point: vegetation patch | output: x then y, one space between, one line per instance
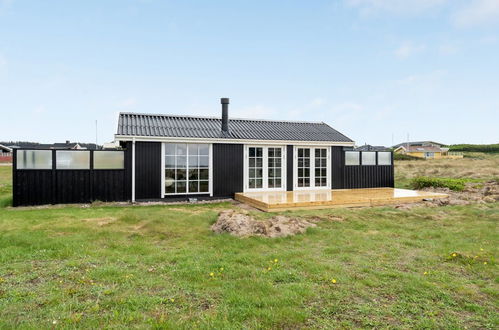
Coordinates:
475 147
405 157
427 182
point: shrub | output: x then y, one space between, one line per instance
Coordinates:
405 157
452 184
475 147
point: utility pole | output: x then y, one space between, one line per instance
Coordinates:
96 141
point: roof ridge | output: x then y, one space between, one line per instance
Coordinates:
218 118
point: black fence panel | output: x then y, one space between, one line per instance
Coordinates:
32 187
60 186
374 176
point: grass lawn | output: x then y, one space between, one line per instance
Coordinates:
161 266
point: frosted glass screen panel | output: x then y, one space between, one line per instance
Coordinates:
368 158
352 158
109 160
34 160
384 158
72 160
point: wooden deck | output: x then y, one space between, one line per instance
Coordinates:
315 199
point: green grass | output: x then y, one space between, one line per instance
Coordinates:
451 183
5 186
494 148
105 266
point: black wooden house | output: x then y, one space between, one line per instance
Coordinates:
172 157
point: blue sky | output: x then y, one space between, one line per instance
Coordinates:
376 70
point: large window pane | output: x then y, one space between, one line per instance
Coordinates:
34 160
303 167
193 186
193 149
170 162
384 158
170 149
187 168
255 169
352 158
109 160
274 167
320 167
368 158
204 149
181 150
181 187
72 160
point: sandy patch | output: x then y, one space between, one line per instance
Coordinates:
244 225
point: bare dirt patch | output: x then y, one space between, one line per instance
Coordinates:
243 225
474 193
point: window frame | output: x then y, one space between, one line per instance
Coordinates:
312 168
163 168
265 168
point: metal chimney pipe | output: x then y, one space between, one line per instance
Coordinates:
225 114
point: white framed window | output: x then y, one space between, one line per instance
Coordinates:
187 168
264 168
312 168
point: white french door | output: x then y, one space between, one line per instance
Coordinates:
264 168
312 168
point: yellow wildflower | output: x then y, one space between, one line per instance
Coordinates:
172 300
275 260
270 268
485 262
481 249
425 273
212 274
333 281
454 255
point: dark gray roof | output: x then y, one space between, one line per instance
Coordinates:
137 124
368 147
419 143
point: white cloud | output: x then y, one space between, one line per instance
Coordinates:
368 7
478 12
408 49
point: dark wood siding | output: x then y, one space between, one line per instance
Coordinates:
228 160
33 187
73 186
38 187
368 176
289 168
337 167
147 170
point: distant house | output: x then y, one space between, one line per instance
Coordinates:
368 147
5 154
57 146
426 150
